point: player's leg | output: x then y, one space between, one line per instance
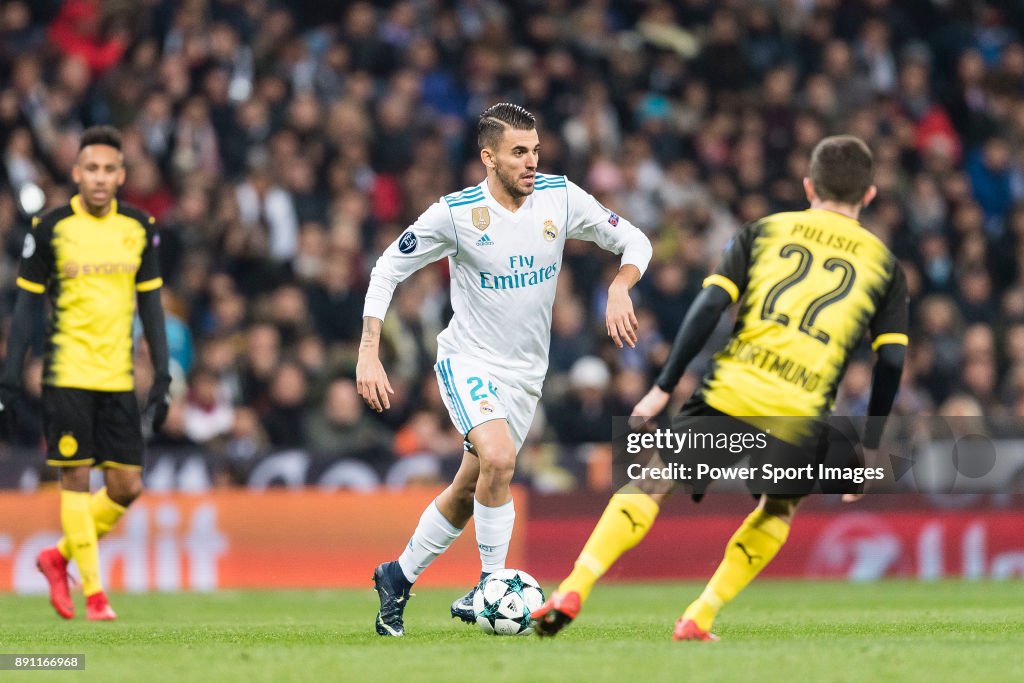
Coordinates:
79 527
501 413
456 501
494 523
628 516
118 449
749 550
67 415
122 487
106 507
75 522
440 524
493 507
105 511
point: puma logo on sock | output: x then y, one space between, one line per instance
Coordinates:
631 521
750 556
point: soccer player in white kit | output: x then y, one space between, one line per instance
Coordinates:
504 240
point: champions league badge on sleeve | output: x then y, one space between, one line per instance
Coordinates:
407 243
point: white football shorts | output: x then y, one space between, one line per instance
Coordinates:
473 395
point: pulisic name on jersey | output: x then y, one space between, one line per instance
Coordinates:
826 239
527 277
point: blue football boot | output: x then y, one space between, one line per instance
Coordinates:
463 607
393 590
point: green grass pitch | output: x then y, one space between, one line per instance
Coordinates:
776 631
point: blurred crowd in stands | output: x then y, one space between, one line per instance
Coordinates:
283 145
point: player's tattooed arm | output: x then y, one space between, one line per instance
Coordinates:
371 380
370 341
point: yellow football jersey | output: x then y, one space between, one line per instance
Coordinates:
91 269
810 284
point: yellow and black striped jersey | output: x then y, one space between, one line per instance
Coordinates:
91 269
810 284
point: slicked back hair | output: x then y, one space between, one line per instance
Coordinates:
101 135
495 119
842 169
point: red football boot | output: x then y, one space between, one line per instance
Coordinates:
55 568
557 613
97 608
687 629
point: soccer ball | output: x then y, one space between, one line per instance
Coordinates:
503 604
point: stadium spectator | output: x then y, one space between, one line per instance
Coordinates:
584 415
208 413
341 428
276 142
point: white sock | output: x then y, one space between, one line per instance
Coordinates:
493 533
432 537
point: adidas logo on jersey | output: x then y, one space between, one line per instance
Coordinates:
485 241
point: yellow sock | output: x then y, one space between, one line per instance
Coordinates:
624 523
80 530
750 549
105 513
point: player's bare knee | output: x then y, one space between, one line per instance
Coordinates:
656 488
779 507
75 479
124 490
498 465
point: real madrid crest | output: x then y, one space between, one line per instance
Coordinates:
550 230
481 218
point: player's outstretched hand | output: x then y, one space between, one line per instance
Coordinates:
620 319
652 403
372 383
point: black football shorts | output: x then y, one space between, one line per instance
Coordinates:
85 427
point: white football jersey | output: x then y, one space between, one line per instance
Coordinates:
504 266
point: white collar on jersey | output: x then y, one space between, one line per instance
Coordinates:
511 215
